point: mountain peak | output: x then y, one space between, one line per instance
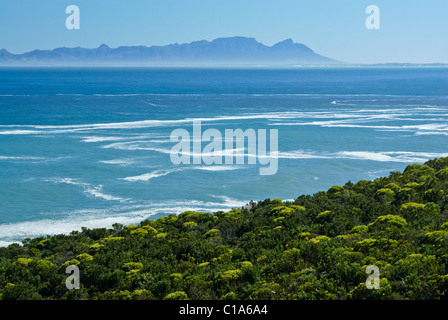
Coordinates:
285 42
236 39
5 53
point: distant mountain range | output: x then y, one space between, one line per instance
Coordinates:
234 51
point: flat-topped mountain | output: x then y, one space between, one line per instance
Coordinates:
221 51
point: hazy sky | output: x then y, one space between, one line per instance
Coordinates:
411 30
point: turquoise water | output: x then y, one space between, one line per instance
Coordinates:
91 147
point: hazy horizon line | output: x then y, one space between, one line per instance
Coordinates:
211 64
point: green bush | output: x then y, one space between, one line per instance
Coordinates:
389 220
385 195
178 295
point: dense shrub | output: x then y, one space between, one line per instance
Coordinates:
316 247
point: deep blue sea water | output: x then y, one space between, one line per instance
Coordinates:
90 147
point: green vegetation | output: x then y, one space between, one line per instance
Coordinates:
317 247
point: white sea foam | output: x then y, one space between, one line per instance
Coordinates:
228 202
52 129
435 133
103 139
117 95
355 115
32 159
153 104
142 145
391 156
120 162
92 190
301 154
218 168
20 132
387 156
151 175
22 158
418 129
7 243
64 226
366 155
96 191
395 156
104 218
164 172
130 145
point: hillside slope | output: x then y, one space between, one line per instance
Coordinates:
317 247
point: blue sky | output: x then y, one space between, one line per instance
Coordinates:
411 30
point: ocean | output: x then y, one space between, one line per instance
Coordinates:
90 147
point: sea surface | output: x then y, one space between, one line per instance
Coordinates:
91 147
